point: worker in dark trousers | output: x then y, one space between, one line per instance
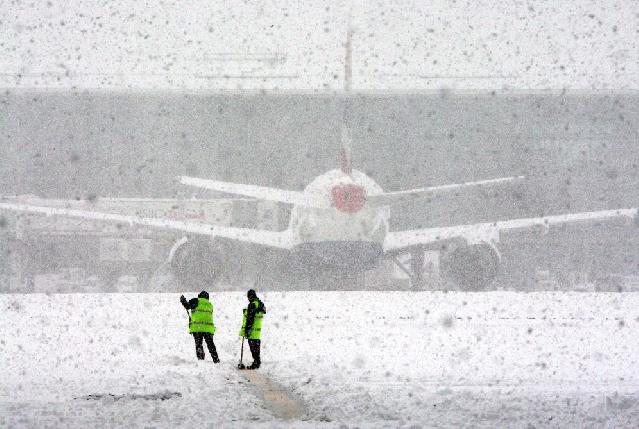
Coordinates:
201 324
252 326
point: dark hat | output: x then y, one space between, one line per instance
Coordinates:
204 294
251 294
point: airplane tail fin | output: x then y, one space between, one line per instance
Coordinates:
345 153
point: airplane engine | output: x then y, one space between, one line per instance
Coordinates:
471 267
198 263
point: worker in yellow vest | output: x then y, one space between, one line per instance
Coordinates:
201 324
252 326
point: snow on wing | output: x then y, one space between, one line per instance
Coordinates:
391 198
401 239
266 238
259 192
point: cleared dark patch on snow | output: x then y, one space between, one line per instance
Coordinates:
620 402
447 321
276 397
177 360
14 306
134 342
160 396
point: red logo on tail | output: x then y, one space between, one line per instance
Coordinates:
348 198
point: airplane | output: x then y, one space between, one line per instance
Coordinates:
340 222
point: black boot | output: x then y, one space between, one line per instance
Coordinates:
255 352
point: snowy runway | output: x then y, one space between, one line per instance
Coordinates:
374 359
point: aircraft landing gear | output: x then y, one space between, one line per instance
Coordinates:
415 268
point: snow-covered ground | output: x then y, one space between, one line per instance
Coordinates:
366 359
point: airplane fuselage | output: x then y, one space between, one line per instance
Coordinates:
347 232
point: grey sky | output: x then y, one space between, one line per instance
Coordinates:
286 45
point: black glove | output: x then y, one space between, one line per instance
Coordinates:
247 332
182 300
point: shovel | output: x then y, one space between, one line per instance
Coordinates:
241 365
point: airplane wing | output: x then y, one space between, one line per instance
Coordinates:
266 238
259 192
390 198
319 201
402 239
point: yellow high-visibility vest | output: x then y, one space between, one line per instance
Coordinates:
202 317
256 329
